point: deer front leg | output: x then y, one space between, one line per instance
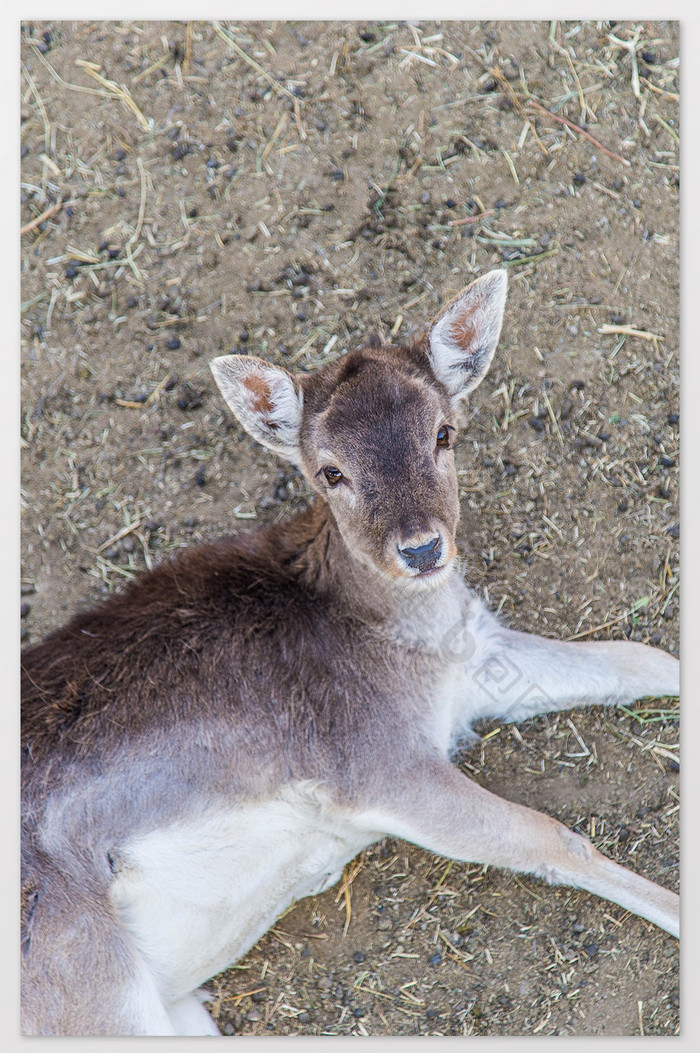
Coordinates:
512 675
442 810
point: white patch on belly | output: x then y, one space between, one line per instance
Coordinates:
196 895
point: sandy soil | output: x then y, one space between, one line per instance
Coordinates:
287 189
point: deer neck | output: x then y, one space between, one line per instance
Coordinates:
396 609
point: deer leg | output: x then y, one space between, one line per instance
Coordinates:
442 810
512 675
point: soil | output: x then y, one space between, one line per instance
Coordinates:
286 189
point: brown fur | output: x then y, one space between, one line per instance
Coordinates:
263 402
191 644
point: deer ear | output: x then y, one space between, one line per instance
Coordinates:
266 399
463 338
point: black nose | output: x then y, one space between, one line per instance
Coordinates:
423 556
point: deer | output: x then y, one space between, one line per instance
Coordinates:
219 739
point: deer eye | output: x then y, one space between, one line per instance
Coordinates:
333 475
443 436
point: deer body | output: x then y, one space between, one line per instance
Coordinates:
221 738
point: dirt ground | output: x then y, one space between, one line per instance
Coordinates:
286 189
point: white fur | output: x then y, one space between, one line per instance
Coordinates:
240 379
198 894
189 1017
287 414
462 366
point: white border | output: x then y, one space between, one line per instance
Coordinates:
360 10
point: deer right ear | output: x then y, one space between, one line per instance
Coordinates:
266 399
464 337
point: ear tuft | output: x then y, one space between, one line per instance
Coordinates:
464 337
266 399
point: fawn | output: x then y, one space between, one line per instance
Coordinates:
220 738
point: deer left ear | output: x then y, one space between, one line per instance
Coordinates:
464 337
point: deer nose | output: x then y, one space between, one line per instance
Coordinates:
422 557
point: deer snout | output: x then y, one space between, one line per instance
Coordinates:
422 555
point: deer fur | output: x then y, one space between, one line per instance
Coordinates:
221 737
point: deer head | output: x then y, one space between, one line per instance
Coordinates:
373 430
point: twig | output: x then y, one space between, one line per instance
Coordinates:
40 104
251 62
552 415
157 390
30 303
151 69
297 118
411 53
115 91
237 999
122 533
630 46
513 171
604 625
66 84
674 135
668 597
582 131
495 72
344 891
38 220
47 131
188 49
659 91
522 260
142 207
275 135
628 330
471 219
585 108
